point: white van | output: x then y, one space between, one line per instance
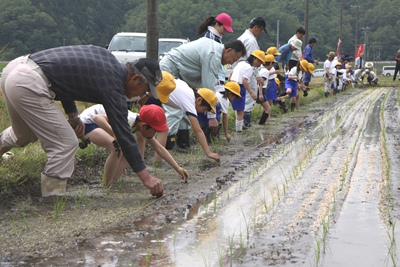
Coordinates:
388 70
128 46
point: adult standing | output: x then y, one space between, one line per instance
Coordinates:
397 59
249 38
329 77
197 63
84 73
296 56
308 55
359 62
215 28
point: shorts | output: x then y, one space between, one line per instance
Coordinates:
292 85
272 91
264 92
239 103
90 127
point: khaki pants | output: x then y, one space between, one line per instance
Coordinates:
34 115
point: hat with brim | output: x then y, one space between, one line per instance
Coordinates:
304 64
209 96
233 87
331 54
150 72
273 51
154 116
369 64
311 68
269 58
259 54
165 87
226 21
296 44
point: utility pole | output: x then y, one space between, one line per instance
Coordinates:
341 20
365 30
356 35
152 29
306 15
277 34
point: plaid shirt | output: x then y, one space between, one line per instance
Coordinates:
92 74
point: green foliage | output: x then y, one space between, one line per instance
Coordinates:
32 25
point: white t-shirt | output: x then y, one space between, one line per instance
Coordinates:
242 70
87 115
328 65
272 76
183 98
264 73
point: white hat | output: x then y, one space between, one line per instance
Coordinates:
369 64
296 43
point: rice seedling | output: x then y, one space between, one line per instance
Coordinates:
14 227
58 207
25 221
82 198
247 226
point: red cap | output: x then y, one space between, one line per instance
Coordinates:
154 116
225 20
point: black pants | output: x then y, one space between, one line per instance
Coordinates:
396 70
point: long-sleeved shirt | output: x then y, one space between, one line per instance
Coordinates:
92 74
308 54
197 62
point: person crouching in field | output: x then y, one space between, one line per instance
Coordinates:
230 93
190 102
150 120
291 83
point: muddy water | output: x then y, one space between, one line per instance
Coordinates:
315 197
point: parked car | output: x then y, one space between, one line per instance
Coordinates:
166 44
388 70
319 73
128 46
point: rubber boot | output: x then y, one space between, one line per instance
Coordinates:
171 142
305 93
263 118
327 94
183 139
282 105
247 119
292 107
51 186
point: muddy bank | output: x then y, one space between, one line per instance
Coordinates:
265 204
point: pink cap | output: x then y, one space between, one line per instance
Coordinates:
225 20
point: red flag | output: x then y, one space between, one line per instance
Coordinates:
360 50
339 44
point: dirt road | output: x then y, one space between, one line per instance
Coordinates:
320 187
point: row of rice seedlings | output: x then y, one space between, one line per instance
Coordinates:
392 248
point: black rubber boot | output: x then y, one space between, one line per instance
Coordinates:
263 119
305 93
183 139
247 120
171 142
282 105
327 94
292 107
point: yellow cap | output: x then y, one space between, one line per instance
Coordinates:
304 64
311 68
234 87
165 87
278 82
269 58
209 96
259 54
273 51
